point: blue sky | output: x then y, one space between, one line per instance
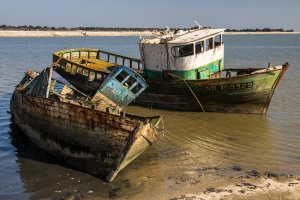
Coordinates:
153 13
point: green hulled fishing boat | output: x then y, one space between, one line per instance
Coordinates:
184 70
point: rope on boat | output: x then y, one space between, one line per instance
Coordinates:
189 89
162 129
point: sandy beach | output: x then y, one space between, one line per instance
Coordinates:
261 33
106 33
70 33
208 184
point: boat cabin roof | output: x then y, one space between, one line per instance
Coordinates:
183 37
196 35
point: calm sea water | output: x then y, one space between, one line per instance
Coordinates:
192 140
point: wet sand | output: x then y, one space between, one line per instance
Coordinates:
248 186
203 184
106 33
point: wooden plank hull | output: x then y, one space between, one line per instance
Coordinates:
241 94
80 82
96 142
248 92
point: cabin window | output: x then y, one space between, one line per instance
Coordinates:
92 54
218 40
74 67
208 44
136 88
75 55
66 55
79 70
69 66
84 54
91 76
129 82
99 76
199 47
85 72
181 51
121 76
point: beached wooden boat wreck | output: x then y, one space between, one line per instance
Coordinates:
184 70
92 134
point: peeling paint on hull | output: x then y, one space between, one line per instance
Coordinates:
249 92
216 95
96 142
241 94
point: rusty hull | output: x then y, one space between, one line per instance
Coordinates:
216 95
96 142
249 91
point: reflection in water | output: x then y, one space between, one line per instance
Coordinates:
10 184
195 140
192 141
45 177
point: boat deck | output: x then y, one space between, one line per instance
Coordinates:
96 64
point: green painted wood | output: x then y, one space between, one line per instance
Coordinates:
241 94
202 72
244 93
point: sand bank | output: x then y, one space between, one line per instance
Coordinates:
105 33
70 33
201 184
261 33
213 186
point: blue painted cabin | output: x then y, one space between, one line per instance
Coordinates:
123 85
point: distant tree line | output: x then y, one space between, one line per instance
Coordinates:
46 28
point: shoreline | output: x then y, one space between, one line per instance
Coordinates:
261 33
211 185
71 33
112 33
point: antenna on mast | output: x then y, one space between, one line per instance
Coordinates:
168 31
198 24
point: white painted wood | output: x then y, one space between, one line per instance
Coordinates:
156 50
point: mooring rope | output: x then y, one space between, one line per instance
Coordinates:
189 89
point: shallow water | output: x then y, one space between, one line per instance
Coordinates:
192 140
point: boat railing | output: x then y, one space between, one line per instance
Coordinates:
132 63
231 72
68 58
74 67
